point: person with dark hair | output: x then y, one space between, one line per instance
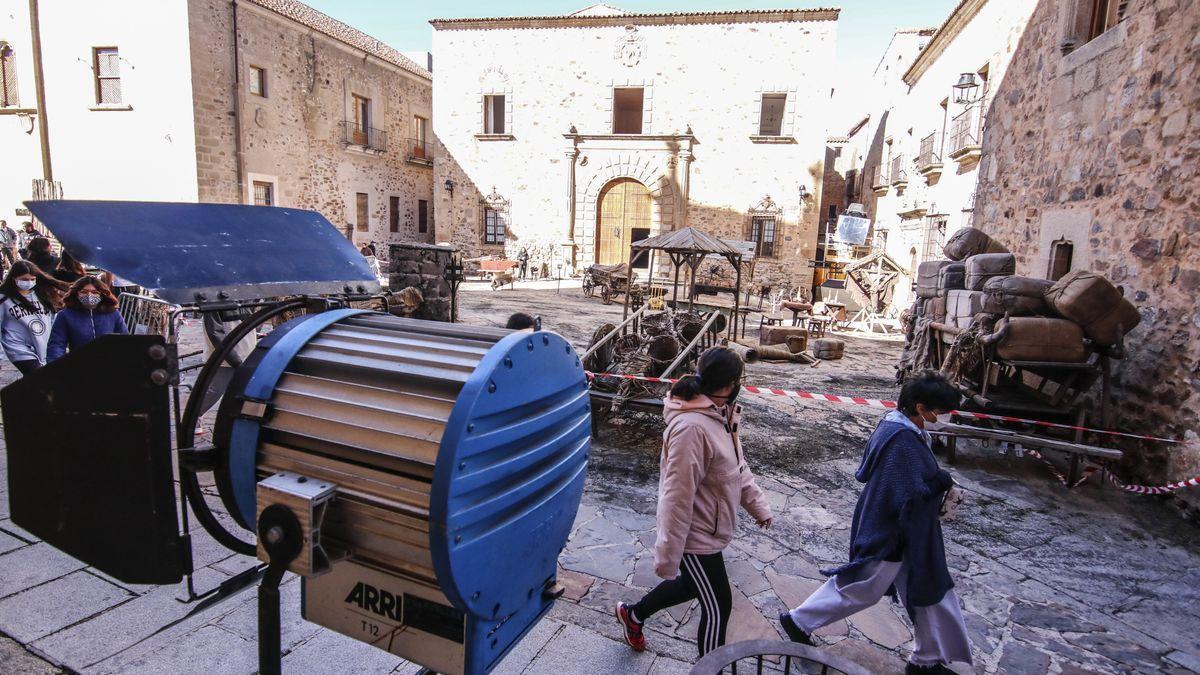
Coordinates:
41 255
521 321
896 545
703 479
28 300
69 269
523 260
89 311
27 234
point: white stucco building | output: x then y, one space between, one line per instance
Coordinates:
151 100
923 158
572 136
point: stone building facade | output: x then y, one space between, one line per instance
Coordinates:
640 124
320 116
143 104
1091 161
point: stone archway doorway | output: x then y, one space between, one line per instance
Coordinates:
623 217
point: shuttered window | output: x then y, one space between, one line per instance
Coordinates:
106 63
422 216
771 117
9 96
493 114
393 214
362 212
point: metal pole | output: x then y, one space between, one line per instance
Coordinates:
282 537
628 281
737 296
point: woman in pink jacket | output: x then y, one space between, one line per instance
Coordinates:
703 479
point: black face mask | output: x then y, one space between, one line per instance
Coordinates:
737 389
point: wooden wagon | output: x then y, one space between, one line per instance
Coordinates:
1060 393
610 281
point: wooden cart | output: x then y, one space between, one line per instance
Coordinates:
612 280
1059 393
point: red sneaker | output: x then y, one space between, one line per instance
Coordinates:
633 630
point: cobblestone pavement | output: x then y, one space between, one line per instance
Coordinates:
1090 580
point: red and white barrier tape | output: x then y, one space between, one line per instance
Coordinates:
1155 490
878 403
1056 425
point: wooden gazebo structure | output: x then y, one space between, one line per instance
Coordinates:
688 247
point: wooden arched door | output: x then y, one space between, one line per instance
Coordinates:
623 217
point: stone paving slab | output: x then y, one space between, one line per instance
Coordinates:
577 650
32 565
111 632
42 610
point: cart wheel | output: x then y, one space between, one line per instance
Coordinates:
606 295
588 288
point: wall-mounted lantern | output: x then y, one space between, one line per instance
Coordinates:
449 185
964 91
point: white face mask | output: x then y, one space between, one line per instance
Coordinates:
945 418
26 284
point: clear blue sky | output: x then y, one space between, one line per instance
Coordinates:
863 30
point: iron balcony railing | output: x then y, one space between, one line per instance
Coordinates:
369 138
965 131
931 152
420 150
899 175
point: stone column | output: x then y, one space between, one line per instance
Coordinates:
568 245
685 158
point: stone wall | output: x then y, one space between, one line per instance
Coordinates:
1099 148
702 79
422 266
294 137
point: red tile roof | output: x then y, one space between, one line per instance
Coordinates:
323 23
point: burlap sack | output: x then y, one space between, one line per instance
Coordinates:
971 241
1040 338
986 266
927 277
1094 303
1015 296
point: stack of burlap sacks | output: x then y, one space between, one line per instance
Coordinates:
1035 319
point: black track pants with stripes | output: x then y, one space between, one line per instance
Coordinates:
703 578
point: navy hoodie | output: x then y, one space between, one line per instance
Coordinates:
897 513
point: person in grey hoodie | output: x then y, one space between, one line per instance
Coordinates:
703 479
28 300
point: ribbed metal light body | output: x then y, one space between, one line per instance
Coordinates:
364 405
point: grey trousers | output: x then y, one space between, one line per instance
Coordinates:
940 636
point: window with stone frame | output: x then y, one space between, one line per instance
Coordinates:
770 122
9 95
764 227
257 81
106 65
494 109
362 212
264 193
627 110
1061 254
493 226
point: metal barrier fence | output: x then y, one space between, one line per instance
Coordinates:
147 315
